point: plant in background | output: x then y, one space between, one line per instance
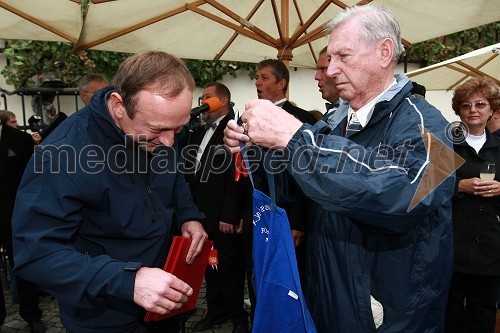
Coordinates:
205 71
443 48
31 62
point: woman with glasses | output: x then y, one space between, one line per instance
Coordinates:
476 209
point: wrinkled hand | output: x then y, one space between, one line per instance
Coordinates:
226 228
264 124
158 291
268 125
298 237
194 230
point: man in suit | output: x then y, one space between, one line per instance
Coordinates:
272 83
221 199
16 148
326 85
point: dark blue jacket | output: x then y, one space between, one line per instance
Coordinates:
91 205
365 237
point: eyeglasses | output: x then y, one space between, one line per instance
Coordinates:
477 106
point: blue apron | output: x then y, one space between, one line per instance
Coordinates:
280 303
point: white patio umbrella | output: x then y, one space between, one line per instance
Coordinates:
50 20
448 74
252 30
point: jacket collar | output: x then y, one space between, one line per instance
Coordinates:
389 101
99 109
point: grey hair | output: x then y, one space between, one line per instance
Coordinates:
84 81
376 23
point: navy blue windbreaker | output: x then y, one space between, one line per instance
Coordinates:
90 205
363 238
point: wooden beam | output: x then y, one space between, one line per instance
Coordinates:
135 26
38 22
254 32
310 21
235 34
313 35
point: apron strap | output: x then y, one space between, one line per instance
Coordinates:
270 176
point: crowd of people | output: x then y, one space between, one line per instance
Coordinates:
394 220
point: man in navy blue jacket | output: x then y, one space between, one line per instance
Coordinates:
100 197
379 253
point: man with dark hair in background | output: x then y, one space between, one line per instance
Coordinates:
221 198
326 85
272 81
494 125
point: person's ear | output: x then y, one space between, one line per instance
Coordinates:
224 101
386 52
282 84
116 106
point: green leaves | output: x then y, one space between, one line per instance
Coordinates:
30 62
205 71
447 47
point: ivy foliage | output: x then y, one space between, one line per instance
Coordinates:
443 48
205 71
30 62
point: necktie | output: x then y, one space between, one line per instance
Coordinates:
212 126
354 125
330 106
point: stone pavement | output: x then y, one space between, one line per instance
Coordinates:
15 324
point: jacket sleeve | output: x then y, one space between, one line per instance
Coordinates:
47 216
373 186
234 198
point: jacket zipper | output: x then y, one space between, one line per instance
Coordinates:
156 208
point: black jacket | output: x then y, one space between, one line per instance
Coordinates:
476 220
16 148
300 114
213 186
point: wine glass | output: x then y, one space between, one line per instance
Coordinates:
487 171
